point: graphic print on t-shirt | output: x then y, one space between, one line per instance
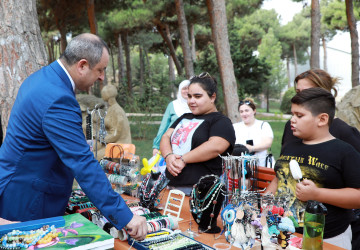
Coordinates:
311 169
182 136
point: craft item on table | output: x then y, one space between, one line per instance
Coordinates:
295 170
283 239
206 199
168 241
166 222
286 225
277 210
79 202
132 204
149 164
174 203
123 175
103 223
25 239
242 231
238 174
139 210
117 179
150 189
123 235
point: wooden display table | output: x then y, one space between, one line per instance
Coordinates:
208 239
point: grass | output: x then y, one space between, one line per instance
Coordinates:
143 135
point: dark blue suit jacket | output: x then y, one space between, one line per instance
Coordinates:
45 149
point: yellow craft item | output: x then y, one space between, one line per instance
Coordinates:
148 165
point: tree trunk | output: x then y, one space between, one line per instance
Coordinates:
147 66
315 35
128 64
22 50
165 34
288 71
142 70
171 69
217 12
193 44
354 43
325 52
91 16
63 42
121 63
188 63
112 63
295 60
50 49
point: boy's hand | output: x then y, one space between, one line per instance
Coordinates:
306 190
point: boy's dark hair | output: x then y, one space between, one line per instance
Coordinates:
317 101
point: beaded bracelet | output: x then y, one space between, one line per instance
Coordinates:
168 155
181 158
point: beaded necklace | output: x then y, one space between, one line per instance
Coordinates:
25 239
147 198
197 204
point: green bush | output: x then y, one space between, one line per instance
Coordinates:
285 106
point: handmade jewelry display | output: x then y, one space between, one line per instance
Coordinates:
252 216
97 132
150 189
239 175
206 199
25 239
165 239
124 175
79 202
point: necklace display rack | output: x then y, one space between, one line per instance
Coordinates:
237 171
97 132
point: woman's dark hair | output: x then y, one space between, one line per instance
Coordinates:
206 81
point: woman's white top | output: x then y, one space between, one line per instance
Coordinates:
256 132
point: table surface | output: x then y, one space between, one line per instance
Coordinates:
184 225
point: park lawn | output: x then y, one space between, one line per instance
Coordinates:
143 135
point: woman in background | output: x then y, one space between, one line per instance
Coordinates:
174 110
256 135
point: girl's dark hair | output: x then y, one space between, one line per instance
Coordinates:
206 81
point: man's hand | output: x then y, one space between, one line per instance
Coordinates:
306 190
137 227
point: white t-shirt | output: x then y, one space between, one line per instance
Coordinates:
255 132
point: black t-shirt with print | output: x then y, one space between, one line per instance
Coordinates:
190 131
333 164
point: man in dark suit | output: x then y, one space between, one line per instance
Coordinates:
45 148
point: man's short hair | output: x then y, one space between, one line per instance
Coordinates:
84 46
317 101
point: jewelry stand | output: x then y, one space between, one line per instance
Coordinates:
174 201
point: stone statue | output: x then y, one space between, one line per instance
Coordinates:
348 109
116 123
